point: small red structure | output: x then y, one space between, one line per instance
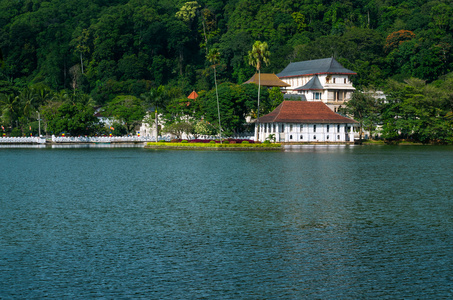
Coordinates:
193 95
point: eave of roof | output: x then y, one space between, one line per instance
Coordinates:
267 79
314 67
312 84
304 112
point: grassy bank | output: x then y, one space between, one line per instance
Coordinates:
214 146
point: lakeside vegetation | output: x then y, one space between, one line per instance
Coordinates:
213 145
67 60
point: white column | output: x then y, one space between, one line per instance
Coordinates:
352 133
256 132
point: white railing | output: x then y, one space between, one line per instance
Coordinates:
102 139
22 140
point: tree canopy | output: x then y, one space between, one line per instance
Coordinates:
107 49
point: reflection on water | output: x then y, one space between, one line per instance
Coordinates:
320 222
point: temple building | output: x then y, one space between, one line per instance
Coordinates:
324 80
304 121
268 80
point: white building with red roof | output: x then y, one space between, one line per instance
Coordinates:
304 121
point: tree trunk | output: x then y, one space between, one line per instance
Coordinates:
258 112
157 125
81 62
218 105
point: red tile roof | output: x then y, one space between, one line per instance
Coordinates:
193 95
304 112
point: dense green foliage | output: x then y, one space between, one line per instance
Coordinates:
93 44
107 49
412 110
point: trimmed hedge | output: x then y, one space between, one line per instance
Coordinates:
215 145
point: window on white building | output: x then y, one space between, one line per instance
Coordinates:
301 137
314 128
291 137
328 127
314 137
291 127
301 127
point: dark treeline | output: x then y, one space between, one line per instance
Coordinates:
107 49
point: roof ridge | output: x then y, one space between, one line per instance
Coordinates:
279 109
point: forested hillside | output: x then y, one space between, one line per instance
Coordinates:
90 44
120 47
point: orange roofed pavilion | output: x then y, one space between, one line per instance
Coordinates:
193 95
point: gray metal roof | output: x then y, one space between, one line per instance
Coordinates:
313 67
295 97
312 84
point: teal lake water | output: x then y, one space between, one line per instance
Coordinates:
313 222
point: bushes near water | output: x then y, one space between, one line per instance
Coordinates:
213 144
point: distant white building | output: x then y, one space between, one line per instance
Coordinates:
305 121
322 80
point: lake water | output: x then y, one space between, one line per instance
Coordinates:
313 222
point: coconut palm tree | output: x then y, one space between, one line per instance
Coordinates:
213 57
28 101
9 108
155 97
260 53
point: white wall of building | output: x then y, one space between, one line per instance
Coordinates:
297 132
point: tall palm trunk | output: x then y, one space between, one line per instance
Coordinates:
157 125
218 105
258 113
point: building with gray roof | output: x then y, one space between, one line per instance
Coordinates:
323 80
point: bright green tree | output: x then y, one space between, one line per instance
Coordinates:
362 107
213 57
128 110
260 54
154 98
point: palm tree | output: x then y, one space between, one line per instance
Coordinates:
155 97
28 102
260 53
9 108
213 56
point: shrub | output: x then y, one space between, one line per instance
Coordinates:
162 141
212 142
245 142
266 142
184 141
226 142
